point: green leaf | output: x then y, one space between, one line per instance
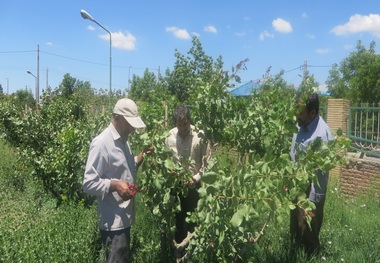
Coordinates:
169 164
221 237
202 192
237 218
166 197
156 210
209 177
211 189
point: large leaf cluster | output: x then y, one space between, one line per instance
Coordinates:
52 142
238 199
162 181
356 77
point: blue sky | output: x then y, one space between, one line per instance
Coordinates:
145 34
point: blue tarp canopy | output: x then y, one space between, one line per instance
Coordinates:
245 89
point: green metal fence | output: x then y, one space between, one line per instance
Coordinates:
364 129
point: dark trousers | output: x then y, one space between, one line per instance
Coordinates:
300 231
116 245
188 204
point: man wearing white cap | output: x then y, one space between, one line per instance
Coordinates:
110 175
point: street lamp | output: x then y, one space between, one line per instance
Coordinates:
86 15
36 95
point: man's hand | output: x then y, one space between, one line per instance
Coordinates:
148 150
140 157
124 189
191 183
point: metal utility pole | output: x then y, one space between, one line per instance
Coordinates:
38 76
47 80
305 67
7 85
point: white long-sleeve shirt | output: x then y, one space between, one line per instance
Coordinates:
190 148
110 158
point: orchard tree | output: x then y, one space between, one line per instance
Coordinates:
152 96
52 142
147 88
308 82
71 85
67 86
336 84
238 198
73 89
277 80
23 99
357 76
187 69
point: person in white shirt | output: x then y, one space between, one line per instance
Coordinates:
110 175
191 149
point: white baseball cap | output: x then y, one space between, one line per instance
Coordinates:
128 109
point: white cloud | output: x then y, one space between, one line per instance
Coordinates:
281 25
210 28
304 15
121 41
247 18
49 43
322 50
310 36
358 24
178 32
91 28
265 34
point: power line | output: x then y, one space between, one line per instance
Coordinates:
79 60
299 68
70 58
23 51
311 66
91 62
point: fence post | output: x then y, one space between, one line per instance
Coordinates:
338 113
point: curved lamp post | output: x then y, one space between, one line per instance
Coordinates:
36 95
86 15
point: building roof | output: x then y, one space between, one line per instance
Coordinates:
245 89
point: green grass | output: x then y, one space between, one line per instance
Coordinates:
350 233
33 229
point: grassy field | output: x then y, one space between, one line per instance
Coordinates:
350 233
32 229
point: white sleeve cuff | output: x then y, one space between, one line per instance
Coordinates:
197 177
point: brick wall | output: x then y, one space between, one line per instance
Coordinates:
360 176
